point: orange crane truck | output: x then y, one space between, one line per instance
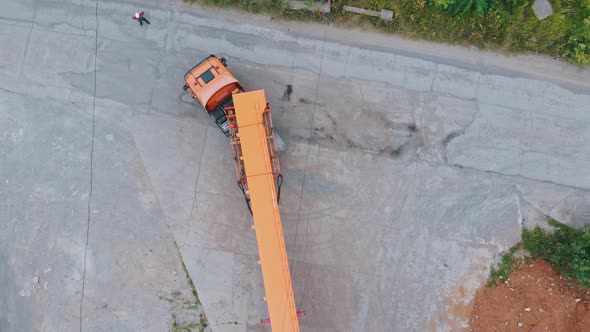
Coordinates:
213 86
245 118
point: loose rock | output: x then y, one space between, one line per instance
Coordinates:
542 9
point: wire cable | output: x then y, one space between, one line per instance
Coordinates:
241 186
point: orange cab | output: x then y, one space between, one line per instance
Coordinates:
213 86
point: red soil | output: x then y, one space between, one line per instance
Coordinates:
535 298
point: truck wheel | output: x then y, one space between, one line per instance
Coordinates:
185 87
223 61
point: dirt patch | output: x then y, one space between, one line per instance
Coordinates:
534 298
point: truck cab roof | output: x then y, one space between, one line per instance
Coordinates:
211 83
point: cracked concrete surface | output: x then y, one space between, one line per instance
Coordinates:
409 166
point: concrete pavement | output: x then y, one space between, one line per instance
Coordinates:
409 166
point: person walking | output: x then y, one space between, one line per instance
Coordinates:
139 17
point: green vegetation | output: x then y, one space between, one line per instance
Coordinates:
189 326
508 263
202 324
508 25
189 280
480 7
276 7
568 249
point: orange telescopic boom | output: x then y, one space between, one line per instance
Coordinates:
258 170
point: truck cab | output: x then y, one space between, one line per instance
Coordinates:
212 85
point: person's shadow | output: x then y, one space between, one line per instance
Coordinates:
287 93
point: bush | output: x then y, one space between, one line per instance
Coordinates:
568 249
577 47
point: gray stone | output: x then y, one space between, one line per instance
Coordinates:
361 11
542 9
386 15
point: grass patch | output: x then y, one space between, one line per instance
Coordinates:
276 7
203 324
189 327
508 25
167 299
567 249
508 263
190 282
